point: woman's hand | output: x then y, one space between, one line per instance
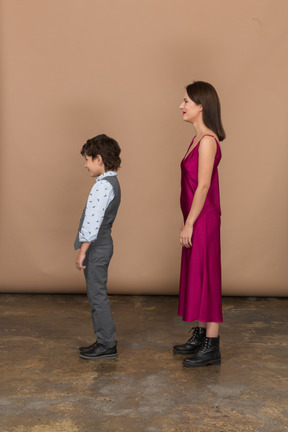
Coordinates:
186 236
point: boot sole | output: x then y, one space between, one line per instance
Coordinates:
82 355
183 352
209 363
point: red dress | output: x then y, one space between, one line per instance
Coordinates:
200 295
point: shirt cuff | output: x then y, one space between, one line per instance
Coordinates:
86 238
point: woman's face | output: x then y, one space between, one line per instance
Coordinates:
191 111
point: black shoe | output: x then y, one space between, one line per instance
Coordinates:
87 348
99 351
207 354
193 343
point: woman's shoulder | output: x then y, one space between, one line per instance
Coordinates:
209 143
209 138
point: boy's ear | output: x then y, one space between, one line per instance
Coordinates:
99 159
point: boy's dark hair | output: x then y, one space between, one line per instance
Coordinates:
107 148
203 93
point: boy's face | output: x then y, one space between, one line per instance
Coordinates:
95 166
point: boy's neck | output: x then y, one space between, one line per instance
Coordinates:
104 172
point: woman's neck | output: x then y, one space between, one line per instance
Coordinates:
201 130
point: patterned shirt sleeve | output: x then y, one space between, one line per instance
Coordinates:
101 194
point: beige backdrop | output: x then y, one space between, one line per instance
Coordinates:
72 69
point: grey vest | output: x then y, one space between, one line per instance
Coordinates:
109 216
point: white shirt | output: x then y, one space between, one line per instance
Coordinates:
100 196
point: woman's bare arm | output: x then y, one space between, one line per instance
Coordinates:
207 151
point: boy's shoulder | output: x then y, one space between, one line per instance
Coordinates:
112 179
102 184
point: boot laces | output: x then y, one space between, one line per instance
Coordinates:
204 346
195 333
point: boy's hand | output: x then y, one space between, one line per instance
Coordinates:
81 256
79 261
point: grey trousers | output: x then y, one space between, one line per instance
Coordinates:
97 261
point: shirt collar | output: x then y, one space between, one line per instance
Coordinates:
106 174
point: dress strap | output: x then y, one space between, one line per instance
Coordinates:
210 136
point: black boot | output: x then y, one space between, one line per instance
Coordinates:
207 354
193 343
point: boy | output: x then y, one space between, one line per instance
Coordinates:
94 240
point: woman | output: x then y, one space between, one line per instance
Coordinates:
200 281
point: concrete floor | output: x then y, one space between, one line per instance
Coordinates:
45 386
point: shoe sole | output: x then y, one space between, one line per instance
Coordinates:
98 357
183 352
210 363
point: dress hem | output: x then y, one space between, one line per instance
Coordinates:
201 320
